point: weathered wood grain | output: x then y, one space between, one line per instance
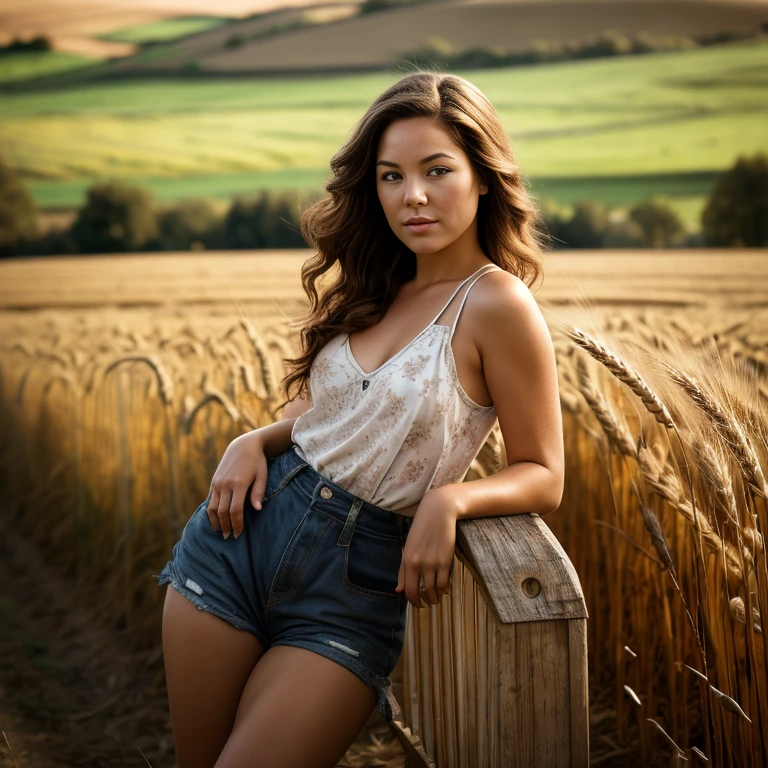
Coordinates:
503 552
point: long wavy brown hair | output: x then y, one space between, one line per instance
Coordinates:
348 227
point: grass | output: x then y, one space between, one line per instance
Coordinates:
23 66
617 129
166 29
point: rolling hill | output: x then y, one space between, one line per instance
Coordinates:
78 25
379 40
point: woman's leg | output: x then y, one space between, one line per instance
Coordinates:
298 710
207 664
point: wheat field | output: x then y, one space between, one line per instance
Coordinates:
123 379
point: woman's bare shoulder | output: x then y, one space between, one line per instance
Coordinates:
504 311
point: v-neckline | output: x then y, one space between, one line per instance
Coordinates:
354 362
433 324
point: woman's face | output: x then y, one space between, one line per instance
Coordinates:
421 172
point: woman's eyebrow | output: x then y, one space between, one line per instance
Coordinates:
429 159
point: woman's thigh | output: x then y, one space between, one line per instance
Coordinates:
207 665
299 709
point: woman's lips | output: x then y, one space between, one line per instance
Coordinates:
423 227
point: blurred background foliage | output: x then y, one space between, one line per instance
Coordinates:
118 217
642 125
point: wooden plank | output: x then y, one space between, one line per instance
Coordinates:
534 703
577 653
521 568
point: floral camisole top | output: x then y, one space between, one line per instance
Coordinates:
392 434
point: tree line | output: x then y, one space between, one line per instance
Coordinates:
117 218
439 52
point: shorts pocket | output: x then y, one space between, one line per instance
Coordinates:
276 479
371 564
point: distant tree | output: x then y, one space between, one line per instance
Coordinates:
271 220
624 233
736 213
552 218
586 227
116 218
372 6
18 212
659 221
608 43
191 224
36 44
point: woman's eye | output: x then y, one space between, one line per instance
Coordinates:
395 173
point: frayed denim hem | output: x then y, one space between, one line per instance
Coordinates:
171 575
386 703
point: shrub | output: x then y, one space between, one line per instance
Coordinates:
551 222
191 224
270 220
736 213
586 227
116 218
18 212
36 44
660 224
622 233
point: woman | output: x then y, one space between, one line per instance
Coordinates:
345 510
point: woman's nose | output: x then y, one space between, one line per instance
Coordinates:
414 193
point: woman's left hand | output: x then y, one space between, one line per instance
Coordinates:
429 549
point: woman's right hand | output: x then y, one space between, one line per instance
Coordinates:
243 463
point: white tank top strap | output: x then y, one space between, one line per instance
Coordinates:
482 271
475 274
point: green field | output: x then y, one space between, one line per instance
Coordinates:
614 129
166 29
24 66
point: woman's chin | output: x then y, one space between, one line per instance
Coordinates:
423 246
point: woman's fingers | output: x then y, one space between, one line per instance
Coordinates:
443 581
223 512
236 509
412 576
211 509
260 483
429 592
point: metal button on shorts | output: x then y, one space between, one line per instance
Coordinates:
316 567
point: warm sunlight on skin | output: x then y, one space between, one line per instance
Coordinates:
444 188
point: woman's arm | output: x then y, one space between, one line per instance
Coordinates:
275 438
244 465
520 372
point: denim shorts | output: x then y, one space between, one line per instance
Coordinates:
316 567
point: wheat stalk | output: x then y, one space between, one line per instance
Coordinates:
164 382
666 485
262 355
624 373
729 430
715 472
616 434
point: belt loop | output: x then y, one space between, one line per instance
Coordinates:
346 534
